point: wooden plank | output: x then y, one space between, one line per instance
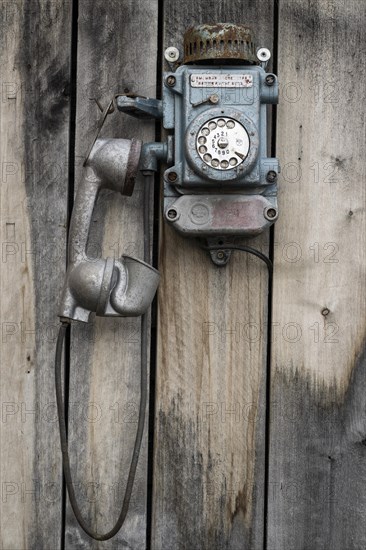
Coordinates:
116 54
211 369
35 78
317 496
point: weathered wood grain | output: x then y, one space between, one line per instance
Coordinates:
208 483
35 78
116 54
317 496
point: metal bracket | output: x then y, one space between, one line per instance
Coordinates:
153 152
140 107
220 257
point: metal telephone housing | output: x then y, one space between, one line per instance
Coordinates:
220 183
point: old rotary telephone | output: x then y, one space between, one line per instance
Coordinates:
219 185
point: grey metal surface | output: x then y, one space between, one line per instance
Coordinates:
218 215
108 287
203 171
140 107
186 112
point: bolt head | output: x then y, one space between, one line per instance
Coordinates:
270 213
271 176
270 79
223 142
220 254
171 80
172 176
172 214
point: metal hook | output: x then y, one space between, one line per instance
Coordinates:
100 125
107 111
111 109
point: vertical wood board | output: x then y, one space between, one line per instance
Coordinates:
34 118
209 452
116 54
317 497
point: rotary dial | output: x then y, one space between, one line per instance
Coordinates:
222 143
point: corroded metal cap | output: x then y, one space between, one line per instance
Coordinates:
224 41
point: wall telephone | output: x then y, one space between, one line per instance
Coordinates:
219 184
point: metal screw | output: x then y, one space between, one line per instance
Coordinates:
220 254
214 99
172 176
270 79
271 176
172 214
271 213
171 80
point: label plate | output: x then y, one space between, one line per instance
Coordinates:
228 80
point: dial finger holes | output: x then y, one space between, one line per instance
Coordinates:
221 143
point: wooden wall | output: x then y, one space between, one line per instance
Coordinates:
256 428
35 120
317 453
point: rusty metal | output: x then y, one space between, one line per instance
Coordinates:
101 122
222 41
132 163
